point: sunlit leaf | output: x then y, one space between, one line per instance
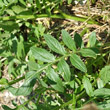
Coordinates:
69 42
92 39
9 25
42 54
78 63
87 86
102 92
64 69
88 53
54 44
27 86
58 87
105 74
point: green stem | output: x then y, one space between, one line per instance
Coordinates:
12 82
58 16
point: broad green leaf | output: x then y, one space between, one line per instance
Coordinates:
52 75
64 69
54 44
78 63
69 1
3 81
17 9
23 2
105 74
102 92
68 40
9 25
58 87
105 105
92 39
42 54
26 88
33 65
87 86
10 12
78 40
43 83
86 52
1 3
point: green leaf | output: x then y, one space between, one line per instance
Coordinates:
3 81
9 26
54 44
22 2
69 1
78 63
105 105
68 40
105 74
58 87
38 4
78 40
52 75
17 9
102 92
64 69
92 39
30 1
33 65
87 86
42 54
27 86
86 52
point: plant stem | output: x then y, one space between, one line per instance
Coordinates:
57 16
12 82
